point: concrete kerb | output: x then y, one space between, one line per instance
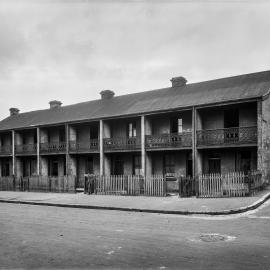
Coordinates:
253 206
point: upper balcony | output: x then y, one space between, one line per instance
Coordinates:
122 144
26 149
5 150
227 137
89 146
53 148
167 141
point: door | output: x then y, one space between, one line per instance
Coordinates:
245 161
214 165
231 125
118 166
189 171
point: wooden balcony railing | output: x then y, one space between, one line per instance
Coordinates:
169 140
57 147
5 150
227 136
124 143
26 149
84 146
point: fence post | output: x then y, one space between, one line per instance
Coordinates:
14 182
95 184
50 184
21 184
196 179
165 185
28 184
249 183
180 186
84 187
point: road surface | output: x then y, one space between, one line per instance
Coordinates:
50 237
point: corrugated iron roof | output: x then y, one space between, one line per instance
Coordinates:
246 86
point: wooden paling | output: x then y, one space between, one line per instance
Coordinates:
231 184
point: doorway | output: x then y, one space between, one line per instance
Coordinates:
118 166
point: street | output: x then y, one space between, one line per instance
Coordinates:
52 237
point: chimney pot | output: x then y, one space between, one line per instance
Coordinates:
178 81
14 111
107 94
55 104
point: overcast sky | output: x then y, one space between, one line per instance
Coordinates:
71 50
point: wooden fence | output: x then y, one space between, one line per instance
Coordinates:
125 185
155 185
187 186
38 183
233 184
7 183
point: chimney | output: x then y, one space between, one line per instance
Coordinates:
55 104
178 81
14 111
107 94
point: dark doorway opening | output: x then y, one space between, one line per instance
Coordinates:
118 166
214 163
231 118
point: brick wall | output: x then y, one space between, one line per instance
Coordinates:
264 144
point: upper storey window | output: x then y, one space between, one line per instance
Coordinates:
177 125
180 125
132 131
231 118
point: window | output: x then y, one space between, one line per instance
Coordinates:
132 132
24 136
177 125
62 135
169 164
5 171
35 137
94 133
137 165
89 165
180 125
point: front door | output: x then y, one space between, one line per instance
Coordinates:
189 171
118 166
214 165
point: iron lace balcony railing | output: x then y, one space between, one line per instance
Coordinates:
227 136
124 143
26 149
5 149
84 146
173 140
56 147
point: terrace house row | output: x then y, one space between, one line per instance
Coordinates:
186 129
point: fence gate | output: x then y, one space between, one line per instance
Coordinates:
187 187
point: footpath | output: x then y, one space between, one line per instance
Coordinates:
162 205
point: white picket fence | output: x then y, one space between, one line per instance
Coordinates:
153 185
117 185
232 184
